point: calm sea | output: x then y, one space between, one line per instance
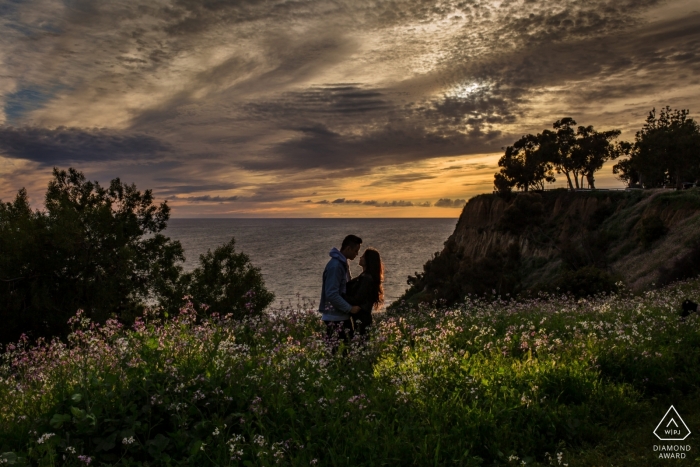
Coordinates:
291 253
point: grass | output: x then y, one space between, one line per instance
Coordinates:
548 381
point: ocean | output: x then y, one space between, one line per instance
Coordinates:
291 253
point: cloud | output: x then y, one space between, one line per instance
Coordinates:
395 204
284 95
450 203
62 145
206 199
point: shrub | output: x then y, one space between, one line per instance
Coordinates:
93 248
652 228
225 282
101 250
526 210
587 281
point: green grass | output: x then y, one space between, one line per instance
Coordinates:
483 383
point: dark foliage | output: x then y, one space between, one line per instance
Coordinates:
586 281
666 151
94 248
526 210
101 250
684 267
449 276
225 282
652 228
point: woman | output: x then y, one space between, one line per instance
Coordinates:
366 290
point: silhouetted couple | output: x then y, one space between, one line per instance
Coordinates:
346 303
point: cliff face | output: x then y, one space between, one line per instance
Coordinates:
531 240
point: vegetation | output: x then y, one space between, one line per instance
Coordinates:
482 383
102 250
666 151
559 241
532 160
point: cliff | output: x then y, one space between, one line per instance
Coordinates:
586 241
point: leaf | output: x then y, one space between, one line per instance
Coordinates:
106 444
59 419
76 398
159 442
196 446
77 413
152 343
9 458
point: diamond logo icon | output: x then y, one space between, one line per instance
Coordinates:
672 427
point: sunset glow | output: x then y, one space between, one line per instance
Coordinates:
283 109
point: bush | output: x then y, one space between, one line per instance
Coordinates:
93 248
685 267
587 281
526 210
101 250
652 228
225 282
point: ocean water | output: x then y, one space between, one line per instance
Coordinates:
291 253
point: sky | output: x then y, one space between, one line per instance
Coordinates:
344 108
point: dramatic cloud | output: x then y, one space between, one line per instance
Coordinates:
450 203
277 105
67 145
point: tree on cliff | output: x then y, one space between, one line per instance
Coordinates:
525 164
97 249
591 150
666 151
578 154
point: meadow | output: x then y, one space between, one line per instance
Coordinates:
553 380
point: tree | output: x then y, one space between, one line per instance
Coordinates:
225 282
561 147
101 250
666 151
592 149
94 248
525 164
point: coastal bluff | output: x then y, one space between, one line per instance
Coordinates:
537 241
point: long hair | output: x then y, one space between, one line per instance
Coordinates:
375 268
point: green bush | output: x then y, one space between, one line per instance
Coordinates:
225 282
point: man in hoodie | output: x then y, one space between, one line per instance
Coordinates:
335 310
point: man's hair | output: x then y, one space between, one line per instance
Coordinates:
351 240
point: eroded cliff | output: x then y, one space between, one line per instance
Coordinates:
538 241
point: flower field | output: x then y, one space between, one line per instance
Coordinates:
485 383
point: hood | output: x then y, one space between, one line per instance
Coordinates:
335 253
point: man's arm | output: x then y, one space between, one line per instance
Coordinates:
332 292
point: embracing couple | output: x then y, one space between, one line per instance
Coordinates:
346 303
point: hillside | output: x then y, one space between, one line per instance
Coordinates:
587 241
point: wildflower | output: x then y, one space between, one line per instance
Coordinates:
45 437
70 449
313 461
128 441
215 432
85 459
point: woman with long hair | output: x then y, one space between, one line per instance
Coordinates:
366 290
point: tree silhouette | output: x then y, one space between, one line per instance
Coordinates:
525 164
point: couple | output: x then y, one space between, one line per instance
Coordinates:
346 303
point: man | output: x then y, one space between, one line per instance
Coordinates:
335 310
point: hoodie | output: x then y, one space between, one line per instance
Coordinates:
335 278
